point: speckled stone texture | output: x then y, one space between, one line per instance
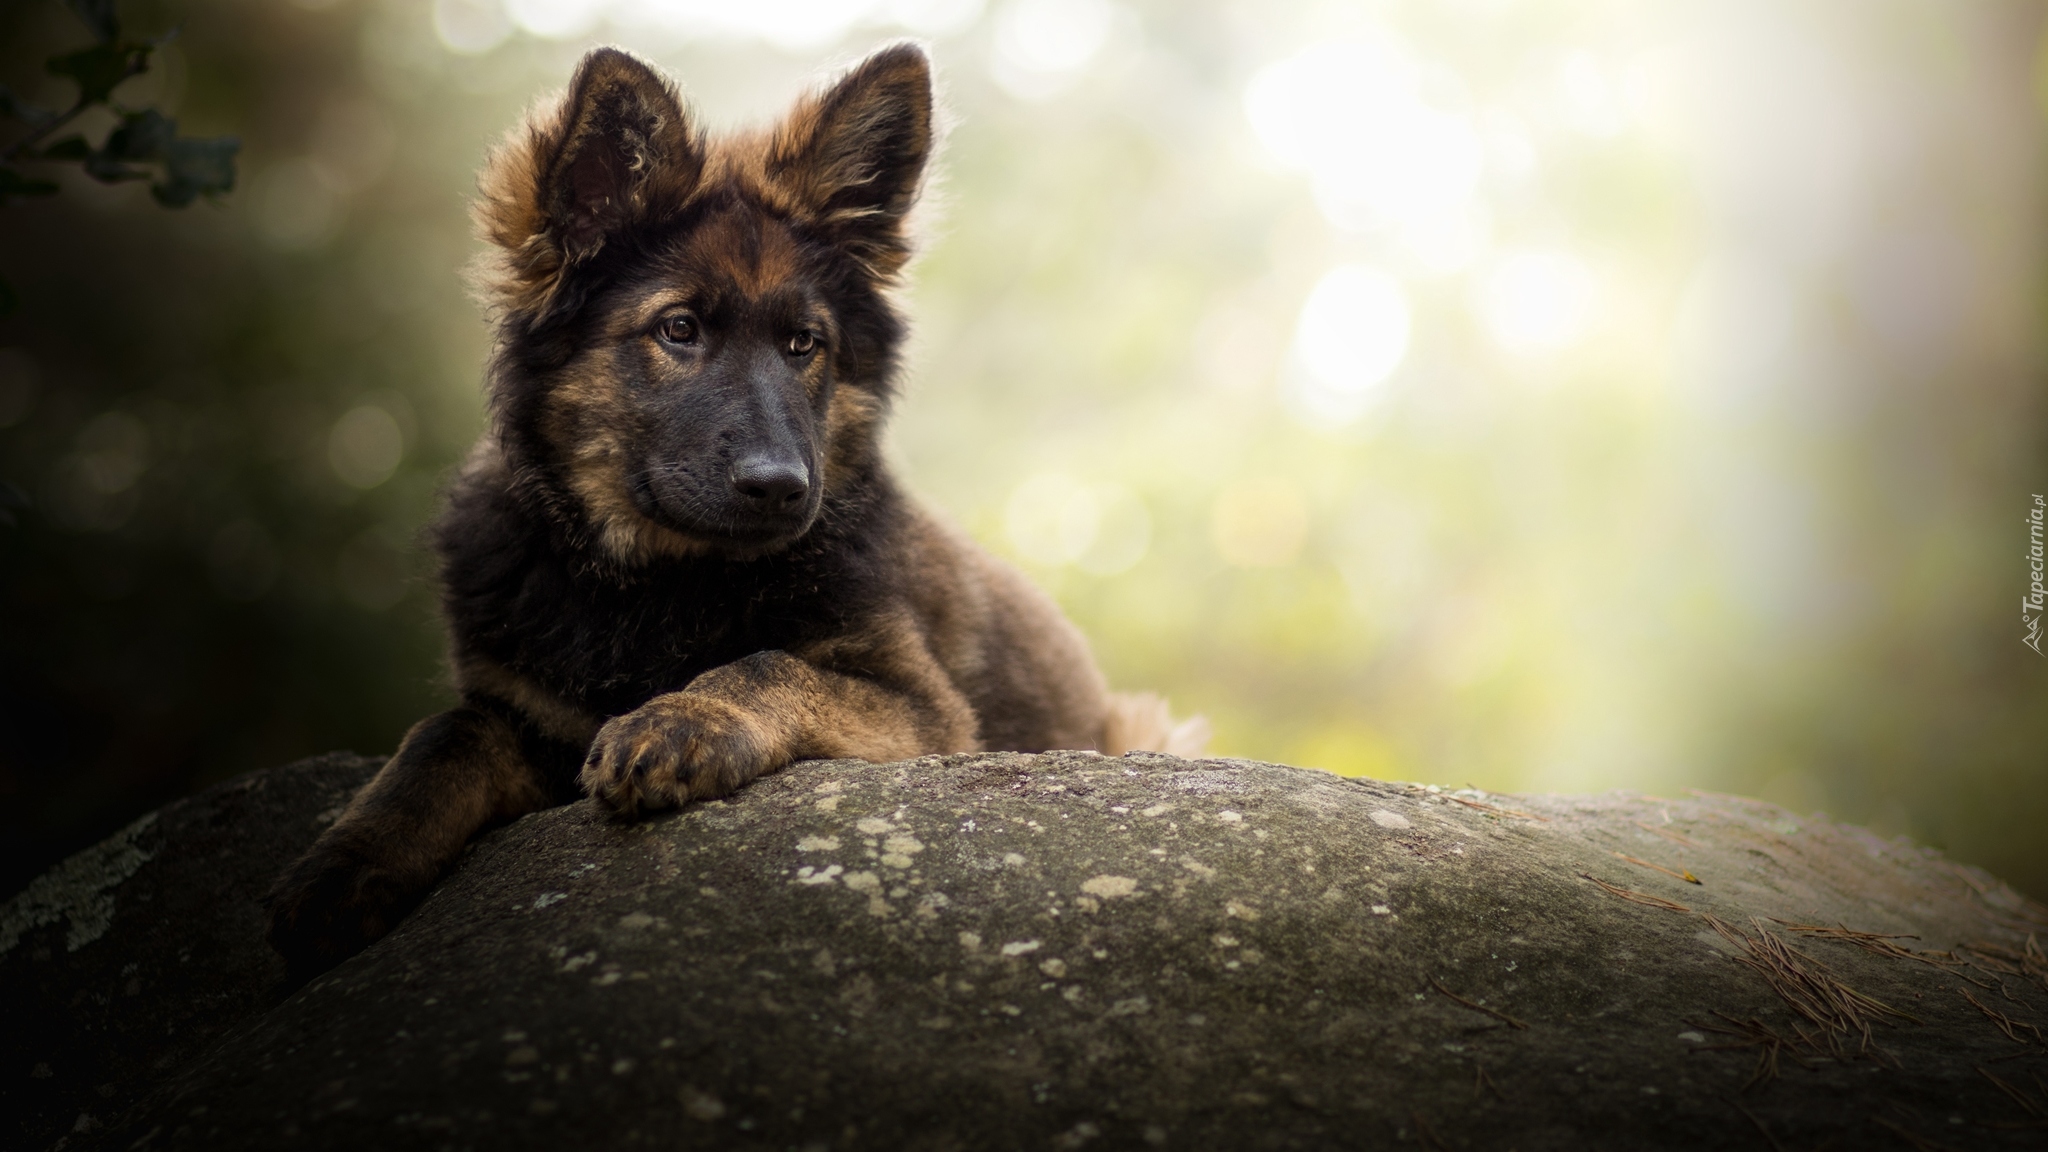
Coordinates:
130 960
1047 952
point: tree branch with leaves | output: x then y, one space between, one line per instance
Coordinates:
144 145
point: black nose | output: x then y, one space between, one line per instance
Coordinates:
771 485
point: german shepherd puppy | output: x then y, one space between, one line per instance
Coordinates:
676 560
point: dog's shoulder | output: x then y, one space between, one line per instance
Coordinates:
498 552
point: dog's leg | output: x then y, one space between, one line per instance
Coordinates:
865 699
453 774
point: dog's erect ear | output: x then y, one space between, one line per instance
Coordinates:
618 150
625 150
853 155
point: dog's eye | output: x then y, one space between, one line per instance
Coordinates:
677 329
802 343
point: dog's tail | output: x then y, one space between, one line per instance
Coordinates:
1142 721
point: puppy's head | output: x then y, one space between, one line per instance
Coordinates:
695 335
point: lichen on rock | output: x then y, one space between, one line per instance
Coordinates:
1068 950
76 891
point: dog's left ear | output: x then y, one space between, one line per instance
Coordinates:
853 156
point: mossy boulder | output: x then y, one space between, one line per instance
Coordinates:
1042 952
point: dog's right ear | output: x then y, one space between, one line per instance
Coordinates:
625 152
617 151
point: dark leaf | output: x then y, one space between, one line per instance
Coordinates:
197 167
12 498
22 110
108 170
144 135
98 15
100 69
14 185
69 148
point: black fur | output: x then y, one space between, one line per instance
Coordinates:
520 591
677 561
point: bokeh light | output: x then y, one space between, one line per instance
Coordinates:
1351 113
1352 334
1037 41
1536 302
365 446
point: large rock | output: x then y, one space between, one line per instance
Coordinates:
1043 952
128 961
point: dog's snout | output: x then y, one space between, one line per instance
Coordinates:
769 484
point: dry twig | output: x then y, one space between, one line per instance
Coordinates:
1503 1017
1482 1083
1962 962
1750 1033
2028 962
1666 833
1636 897
1688 877
2018 1096
1497 810
2006 1024
1772 1140
1810 990
1878 942
1992 958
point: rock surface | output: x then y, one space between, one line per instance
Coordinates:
1041 952
130 960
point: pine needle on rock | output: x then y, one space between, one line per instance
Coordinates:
1636 897
1503 1017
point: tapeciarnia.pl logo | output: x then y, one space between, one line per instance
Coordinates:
2037 596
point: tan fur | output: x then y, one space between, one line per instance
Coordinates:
849 432
756 252
530 242
550 713
943 649
775 708
452 774
791 169
1142 721
586 411
975 612
493 781
964 611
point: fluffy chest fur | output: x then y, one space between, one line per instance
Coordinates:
676 561
606 639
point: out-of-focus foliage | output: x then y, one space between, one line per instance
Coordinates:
1530 393
143 144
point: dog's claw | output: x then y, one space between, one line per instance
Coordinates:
671 750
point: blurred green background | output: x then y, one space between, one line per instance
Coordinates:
1533 394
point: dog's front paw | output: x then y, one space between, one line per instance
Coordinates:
331 905
671 750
